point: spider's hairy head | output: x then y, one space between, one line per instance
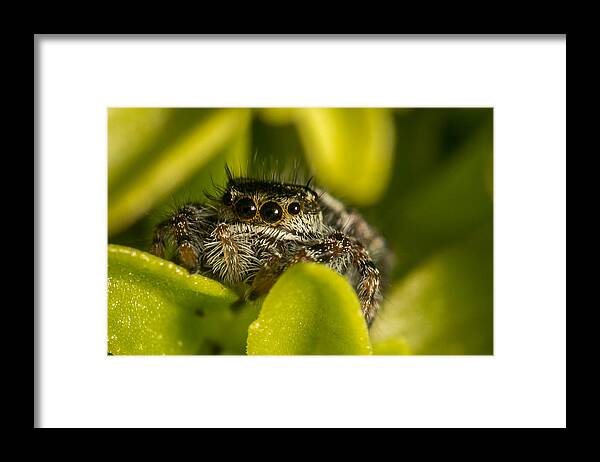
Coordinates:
269 202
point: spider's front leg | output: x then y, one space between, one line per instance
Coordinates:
183 230
340 253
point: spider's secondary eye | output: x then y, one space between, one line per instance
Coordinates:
294 208
245 208
271 212
227 199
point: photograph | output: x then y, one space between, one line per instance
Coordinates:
300 231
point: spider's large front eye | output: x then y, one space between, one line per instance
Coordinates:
245 208
271 212
227 199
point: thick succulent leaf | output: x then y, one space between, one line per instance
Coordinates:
178 157
311 310
349 150
444 306
156 307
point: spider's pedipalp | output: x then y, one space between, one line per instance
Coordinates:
228 254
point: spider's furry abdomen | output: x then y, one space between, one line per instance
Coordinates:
253 229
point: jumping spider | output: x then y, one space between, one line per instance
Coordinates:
249 233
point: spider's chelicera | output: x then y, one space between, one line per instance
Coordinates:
255 229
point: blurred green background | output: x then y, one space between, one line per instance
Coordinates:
423 177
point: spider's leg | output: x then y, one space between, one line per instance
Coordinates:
368 288
350 222
161 236
339 252
183 230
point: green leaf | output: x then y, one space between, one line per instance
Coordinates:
310 310
350 150
156 307
445 306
